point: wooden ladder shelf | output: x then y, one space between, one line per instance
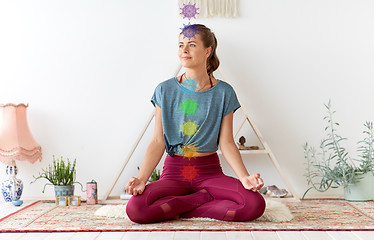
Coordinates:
266 149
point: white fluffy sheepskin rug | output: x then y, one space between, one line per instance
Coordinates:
274 212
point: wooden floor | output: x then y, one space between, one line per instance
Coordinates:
6 208
256 235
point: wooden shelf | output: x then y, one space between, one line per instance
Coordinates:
244 152
266 149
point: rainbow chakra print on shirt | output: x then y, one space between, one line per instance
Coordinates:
189 106
190 84
189 151
189 128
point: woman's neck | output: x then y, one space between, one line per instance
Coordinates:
199 76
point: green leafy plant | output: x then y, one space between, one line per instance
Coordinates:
367 148
59 173
333 167
156 174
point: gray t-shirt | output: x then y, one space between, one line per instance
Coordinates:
192 120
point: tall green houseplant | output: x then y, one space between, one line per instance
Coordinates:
332 167
60 173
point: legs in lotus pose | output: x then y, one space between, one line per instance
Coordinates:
195 187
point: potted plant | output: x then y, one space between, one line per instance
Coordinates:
156 174
333 167
62 175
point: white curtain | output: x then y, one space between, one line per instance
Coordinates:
212 8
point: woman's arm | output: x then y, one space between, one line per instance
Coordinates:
152 157
232 155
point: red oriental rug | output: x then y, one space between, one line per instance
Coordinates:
322 215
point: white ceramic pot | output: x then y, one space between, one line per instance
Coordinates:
362 190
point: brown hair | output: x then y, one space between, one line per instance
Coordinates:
209 40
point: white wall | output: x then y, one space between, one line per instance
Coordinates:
88 70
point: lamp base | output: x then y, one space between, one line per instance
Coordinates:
17 203
12 187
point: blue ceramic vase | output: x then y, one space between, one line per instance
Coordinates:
12 187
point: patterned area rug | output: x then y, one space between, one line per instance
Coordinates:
308 215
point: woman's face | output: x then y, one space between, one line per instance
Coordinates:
191 52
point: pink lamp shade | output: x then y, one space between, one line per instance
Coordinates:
16 141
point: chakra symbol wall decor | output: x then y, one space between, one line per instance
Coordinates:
189 128
189 31
189 11
189 107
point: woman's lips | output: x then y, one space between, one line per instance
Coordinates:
186 58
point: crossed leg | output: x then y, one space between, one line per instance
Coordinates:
232 202
165 199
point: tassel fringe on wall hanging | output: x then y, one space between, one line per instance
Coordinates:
213 8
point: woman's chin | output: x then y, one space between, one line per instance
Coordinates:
187 65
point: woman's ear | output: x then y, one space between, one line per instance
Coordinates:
208 51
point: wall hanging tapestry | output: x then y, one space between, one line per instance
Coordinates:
212 8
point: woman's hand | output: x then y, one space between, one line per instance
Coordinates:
135 186
252 182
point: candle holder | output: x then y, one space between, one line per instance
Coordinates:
68 201
62 201
74 200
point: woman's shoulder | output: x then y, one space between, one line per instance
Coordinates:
166 84
224 86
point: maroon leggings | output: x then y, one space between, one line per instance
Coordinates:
195 187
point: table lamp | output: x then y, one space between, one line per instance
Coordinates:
16 143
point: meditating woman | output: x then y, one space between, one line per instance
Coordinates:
194 114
